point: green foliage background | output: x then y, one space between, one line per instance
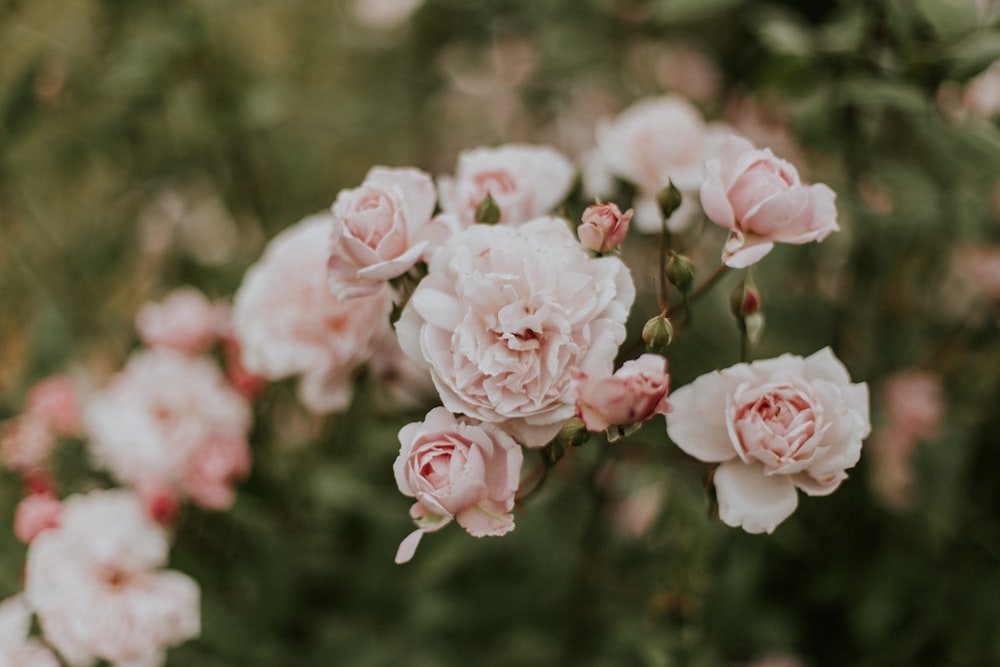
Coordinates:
257 112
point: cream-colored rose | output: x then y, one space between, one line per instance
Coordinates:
504 314
774 426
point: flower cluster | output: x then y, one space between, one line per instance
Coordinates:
475 290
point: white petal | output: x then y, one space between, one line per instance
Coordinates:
751 500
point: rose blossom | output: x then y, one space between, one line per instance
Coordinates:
603 227
459 469
54 401
635 393
94 584
525 181
157 417
914 403
16 648
25 442
773 426
185 320
35 513
288 323
505 312
761 200
383 228
652 143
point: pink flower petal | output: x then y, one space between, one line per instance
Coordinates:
751 500
408 547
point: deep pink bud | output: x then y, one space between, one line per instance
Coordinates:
604 227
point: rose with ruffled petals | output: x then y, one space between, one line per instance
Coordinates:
287 322
762 201
457 468
525 181
637 392
95 584
504 314
381 229
774 426
17 649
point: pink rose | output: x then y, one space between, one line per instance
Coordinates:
54 401
457 469
503 315
185 321
914 403
604 227
636 393
25 442
17 649
94 583
155 419
774 426
761 200
525 181
35 513
652 143
383 228
214 468
288 323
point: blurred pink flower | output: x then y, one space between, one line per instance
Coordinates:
459 469
288 323
505 312
525 181
384 14
155 419
382 228
95 586
54 401
914 403
774 426
652 143
603 227
214 468
982 93
35 513
16 648
25 442
185 320
761 200
634 515
635 393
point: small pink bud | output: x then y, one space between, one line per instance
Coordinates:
160 501
604 227
34 514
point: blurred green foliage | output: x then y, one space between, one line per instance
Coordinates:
135 134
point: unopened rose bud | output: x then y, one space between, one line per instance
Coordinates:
488 212
744 300
552 452
680 271
604 227
574 433
669 199
657 333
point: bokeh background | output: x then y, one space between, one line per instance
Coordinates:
146 144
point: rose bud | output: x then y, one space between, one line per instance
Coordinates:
636 393
657 333
604 227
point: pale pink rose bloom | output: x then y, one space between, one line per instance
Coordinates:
457 469
774 426
654 142
382 228
35 513
54 401
603 227
982 93
635 393
185 320
503 315
95 584
914 403
525 181
25 442
761 200
288 323
16 648
156 418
